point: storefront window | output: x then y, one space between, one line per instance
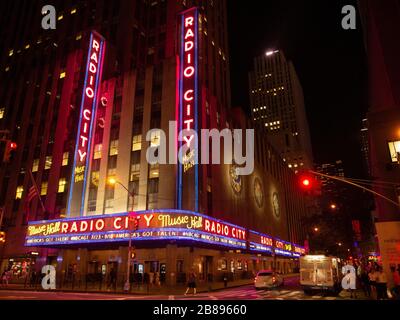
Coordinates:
239 265
222 264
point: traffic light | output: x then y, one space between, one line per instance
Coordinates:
306 182
10 147
2 237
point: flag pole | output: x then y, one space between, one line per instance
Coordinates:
37 191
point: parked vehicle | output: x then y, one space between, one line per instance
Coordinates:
320 273
267 279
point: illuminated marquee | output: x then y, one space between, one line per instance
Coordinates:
154 225
88 109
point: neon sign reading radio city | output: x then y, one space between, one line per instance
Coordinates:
154 225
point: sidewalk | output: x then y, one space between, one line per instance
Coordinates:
143 290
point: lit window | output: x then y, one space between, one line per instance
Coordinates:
27 46
78 37
43 189
18 194
97 151
61 185
65 159
394 148
49 161
154 171
155 138
114 148
35 165
2 113
62 75
11 52
95 178
7 69
73 11
60 17
137 143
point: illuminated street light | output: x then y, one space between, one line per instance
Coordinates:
316 229
113 182
333 206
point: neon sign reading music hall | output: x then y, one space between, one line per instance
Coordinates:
88 109
161 225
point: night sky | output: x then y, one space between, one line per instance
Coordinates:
330 63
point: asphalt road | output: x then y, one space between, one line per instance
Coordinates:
291 291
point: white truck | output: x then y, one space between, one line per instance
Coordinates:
319 273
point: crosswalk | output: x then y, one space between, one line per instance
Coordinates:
251 294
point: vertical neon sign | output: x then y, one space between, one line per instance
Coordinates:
90 93
188 98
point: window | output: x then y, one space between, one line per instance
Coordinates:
65 159
394 148
2 113
18 194
97 151
95 178
114 148
155 138
137 143
61 185
49 161
62 75
43 189
154 171
35 165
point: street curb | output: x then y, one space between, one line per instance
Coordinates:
137 293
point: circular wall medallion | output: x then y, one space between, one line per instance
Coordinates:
258 192
275 205
236 180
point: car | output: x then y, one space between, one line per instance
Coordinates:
267 279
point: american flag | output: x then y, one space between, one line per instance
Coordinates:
32 194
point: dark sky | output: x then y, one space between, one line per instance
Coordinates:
330 63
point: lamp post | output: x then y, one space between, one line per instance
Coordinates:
113 181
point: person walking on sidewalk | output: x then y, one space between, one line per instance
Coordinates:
191 283
396 282
381 285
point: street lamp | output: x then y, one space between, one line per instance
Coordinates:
316 229
113 182
333 206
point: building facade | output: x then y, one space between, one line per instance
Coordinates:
277 102
85 102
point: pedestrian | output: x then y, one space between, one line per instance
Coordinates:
191 282
381 285
372 275
112 279
364 279
157 279
4 280
151 279
32 281
396 282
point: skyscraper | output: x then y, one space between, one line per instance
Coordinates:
277 102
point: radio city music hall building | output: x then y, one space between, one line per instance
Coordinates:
79 101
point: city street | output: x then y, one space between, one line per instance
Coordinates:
291 291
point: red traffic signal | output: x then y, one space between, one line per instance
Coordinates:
10 146
306 183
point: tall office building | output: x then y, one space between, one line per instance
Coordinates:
85 102
277 102
364 136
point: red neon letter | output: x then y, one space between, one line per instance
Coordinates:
189 46
189 21
189 71
95 45
186 95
